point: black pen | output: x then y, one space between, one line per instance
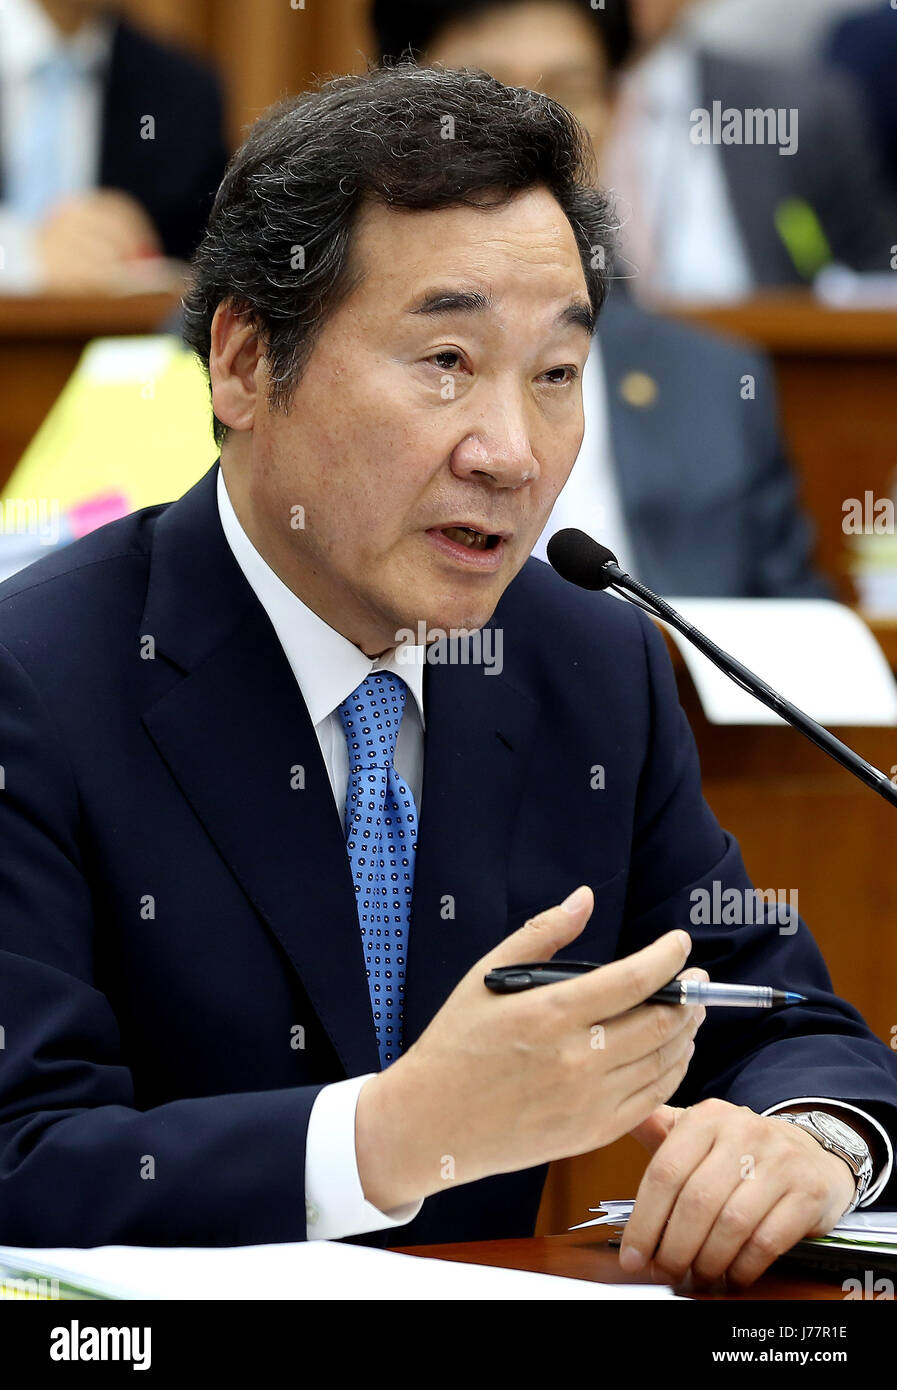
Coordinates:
511 979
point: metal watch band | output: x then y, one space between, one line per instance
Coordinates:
838 1137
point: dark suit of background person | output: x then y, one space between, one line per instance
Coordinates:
834 170
706 490
864 47
129 1035
173 176
177 177
721 221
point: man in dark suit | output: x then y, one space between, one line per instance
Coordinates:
683 471
864 46
791 185
708 495
111 145
242 988
828 201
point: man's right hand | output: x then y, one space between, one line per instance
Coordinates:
97 241
499 1082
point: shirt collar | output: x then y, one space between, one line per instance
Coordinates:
327 666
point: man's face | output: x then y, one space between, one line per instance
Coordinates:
410 417
550 47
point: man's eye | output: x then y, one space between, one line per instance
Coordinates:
574 373
447 352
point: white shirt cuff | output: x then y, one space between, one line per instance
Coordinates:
879 1180
335 1204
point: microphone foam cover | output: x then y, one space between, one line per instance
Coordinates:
580 559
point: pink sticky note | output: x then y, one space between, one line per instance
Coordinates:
96 511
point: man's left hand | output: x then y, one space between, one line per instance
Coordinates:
728 1191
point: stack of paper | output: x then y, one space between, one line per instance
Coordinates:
315 1269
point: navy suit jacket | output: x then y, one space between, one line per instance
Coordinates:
864 45
709 494
173 905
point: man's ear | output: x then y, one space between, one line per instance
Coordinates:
236 362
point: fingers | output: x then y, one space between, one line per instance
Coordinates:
777 1232
714 1198
660 1188
664 1077
643 1034
652 1060
626 983
739 1214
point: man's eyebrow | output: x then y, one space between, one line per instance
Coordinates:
454 301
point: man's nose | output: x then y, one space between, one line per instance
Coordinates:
499 449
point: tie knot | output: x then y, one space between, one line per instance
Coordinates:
62 66
371 717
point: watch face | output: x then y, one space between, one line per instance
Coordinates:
837 1132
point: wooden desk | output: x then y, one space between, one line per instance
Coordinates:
805 824
586 1255
836 371
41 339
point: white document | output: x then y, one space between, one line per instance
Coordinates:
315 1269
818 654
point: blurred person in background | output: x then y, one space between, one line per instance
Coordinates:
716 213
111 148
774 31
864 47
682 471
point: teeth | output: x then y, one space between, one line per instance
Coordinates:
474 540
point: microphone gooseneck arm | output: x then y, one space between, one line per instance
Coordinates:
608 574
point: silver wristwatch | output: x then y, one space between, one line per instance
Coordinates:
840 1139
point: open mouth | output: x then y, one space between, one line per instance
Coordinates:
474 540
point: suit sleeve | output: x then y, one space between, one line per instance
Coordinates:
79 1163
748 1057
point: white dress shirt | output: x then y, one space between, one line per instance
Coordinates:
327 668
683 236
28 38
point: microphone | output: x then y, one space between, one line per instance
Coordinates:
581 560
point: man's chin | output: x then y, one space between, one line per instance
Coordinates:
441 619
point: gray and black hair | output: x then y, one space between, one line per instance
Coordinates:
280 234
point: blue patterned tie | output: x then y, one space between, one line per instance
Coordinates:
36 174
381 838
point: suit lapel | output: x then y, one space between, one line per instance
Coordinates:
235 732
